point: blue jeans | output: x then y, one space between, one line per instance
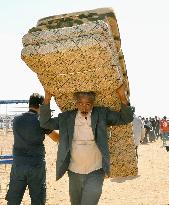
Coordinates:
85 189
165 137
22 176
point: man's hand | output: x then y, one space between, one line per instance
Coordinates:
122 93
47 98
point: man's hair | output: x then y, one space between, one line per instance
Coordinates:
91 95
35 100
133 109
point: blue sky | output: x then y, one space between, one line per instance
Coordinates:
144 30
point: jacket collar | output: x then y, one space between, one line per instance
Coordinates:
34 111
94 120
71 122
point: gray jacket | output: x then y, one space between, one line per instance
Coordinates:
101 117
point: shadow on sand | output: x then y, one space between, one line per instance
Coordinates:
123 179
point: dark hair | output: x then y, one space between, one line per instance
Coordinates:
35 100
91 95
133 109
167 148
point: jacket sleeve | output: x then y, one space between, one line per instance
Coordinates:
45 118
124 116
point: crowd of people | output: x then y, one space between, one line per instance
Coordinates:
150 129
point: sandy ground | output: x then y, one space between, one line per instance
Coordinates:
150 187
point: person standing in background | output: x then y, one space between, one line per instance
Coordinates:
137 132
164 128
157 127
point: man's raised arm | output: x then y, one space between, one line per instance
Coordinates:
45 114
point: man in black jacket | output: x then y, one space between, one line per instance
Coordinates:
29 156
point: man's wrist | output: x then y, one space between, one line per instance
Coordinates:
46 102
125 103
123 99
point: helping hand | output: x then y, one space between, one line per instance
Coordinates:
122 93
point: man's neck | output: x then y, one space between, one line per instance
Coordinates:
34 110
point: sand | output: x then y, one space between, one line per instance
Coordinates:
150 187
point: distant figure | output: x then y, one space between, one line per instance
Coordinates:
157 127
152 136
164 128
143 129
29 168
137 132
147 126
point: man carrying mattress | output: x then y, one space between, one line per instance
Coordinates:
83 147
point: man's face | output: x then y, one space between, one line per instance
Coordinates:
84 104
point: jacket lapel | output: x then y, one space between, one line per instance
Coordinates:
94 119
70 125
